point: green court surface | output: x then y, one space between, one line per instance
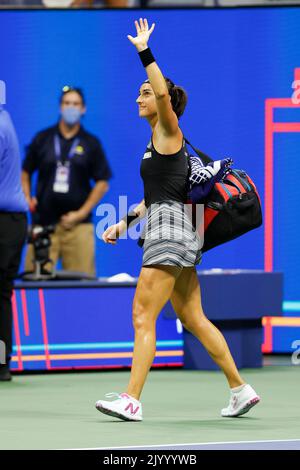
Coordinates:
57 411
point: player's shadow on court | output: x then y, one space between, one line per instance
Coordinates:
211 423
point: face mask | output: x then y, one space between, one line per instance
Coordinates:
71 115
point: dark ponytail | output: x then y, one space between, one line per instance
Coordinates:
178 97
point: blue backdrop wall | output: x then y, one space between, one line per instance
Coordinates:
229 61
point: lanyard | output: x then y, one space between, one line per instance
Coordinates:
57 148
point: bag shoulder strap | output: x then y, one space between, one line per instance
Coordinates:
205 158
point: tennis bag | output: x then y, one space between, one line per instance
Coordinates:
231 208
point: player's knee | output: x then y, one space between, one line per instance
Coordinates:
194 323
141 317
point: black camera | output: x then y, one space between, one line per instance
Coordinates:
39 237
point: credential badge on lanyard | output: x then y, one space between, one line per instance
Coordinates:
62 173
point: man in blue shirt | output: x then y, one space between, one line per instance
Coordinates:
13 229
67 158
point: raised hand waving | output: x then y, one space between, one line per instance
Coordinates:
140 41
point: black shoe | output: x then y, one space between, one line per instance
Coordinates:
5 374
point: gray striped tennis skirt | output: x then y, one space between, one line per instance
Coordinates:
169 236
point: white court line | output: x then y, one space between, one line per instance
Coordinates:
185 444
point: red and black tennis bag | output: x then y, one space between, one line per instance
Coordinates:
232 207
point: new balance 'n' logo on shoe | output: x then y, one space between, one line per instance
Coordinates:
123 407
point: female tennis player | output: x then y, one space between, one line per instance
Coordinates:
172 247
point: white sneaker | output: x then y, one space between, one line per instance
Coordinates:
124 407
241 402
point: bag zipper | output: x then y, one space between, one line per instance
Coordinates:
233 184
244 182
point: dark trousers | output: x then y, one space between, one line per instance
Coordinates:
13 231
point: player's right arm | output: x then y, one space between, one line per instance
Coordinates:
114 231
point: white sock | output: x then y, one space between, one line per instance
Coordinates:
237 389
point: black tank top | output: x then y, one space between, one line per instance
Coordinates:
165 176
